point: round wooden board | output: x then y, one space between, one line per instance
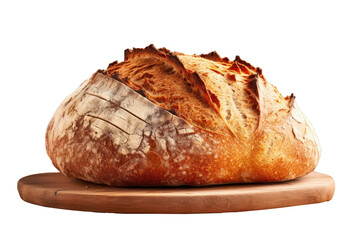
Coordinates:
57 191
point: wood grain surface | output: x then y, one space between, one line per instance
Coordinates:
57 191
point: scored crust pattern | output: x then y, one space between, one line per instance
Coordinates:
164 119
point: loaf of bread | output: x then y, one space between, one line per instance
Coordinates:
162 118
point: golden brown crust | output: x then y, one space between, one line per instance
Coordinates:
165 119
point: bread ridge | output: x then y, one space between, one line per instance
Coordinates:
185 135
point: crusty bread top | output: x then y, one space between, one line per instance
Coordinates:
231 125
210 92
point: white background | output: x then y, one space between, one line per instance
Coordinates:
309 48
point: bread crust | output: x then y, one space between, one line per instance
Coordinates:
209 121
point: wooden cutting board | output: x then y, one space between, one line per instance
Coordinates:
57 191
